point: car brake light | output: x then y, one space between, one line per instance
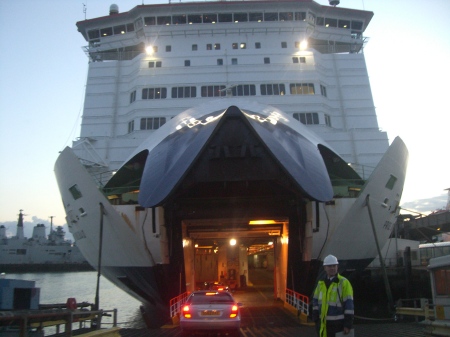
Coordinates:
186 312
234 311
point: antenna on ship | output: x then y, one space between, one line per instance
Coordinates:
334 3
84 10
51 222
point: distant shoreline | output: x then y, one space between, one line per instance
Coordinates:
45 267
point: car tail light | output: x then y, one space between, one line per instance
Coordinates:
234 311
187 312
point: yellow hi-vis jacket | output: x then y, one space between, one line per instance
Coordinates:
333 303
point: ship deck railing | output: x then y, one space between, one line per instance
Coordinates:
27 322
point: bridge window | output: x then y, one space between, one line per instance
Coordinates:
184 92
226 17
286 16
152 123
132 96
154 93
179 19
442 279
244 90
213 91
258 17
240 17
272 89
209 18
307 118
302 89
323 90
130 126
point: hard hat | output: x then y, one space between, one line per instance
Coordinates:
330 260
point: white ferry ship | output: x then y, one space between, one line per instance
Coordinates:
39 252
211 121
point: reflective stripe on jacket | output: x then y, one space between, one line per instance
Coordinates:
334 303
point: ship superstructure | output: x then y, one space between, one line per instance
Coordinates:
228 121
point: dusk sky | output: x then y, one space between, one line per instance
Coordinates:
43 72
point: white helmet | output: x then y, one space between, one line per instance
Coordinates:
330 260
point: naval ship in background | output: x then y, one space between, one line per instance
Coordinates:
213 122
40 252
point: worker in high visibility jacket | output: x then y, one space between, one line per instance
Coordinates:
333 307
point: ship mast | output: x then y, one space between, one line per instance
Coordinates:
19 232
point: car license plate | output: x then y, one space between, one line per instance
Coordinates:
210 313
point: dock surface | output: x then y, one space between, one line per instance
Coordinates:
264 316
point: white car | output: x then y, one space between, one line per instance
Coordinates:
207 310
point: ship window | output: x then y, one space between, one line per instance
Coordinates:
267 60
234 61
270 16
119 29
234 46
130 27
244 90
132 96
150 21
226 17
93 34
209 46
257 45
327 120
344 24
217 46
391 182
106 31
168 48
187 63
194 18
323 90
256 17
302 88
75 191
21 252
442 280
220 62
320 21
153 64
130 126
272 89
283 44
243 45
240 17
184 92
194 47
209 18
300 59
154 93
307 118
179 19
357 25
152 123
286 16
163 20
300 16
330 22
213 91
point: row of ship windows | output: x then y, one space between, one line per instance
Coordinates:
222 90
154 123
212 18
234 61
234 45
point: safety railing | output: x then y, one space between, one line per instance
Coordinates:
298 301
176 303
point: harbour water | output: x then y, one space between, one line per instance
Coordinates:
57 287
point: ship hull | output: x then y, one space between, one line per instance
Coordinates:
137 242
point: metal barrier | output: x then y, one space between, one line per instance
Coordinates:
298 301
414 307
176 303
